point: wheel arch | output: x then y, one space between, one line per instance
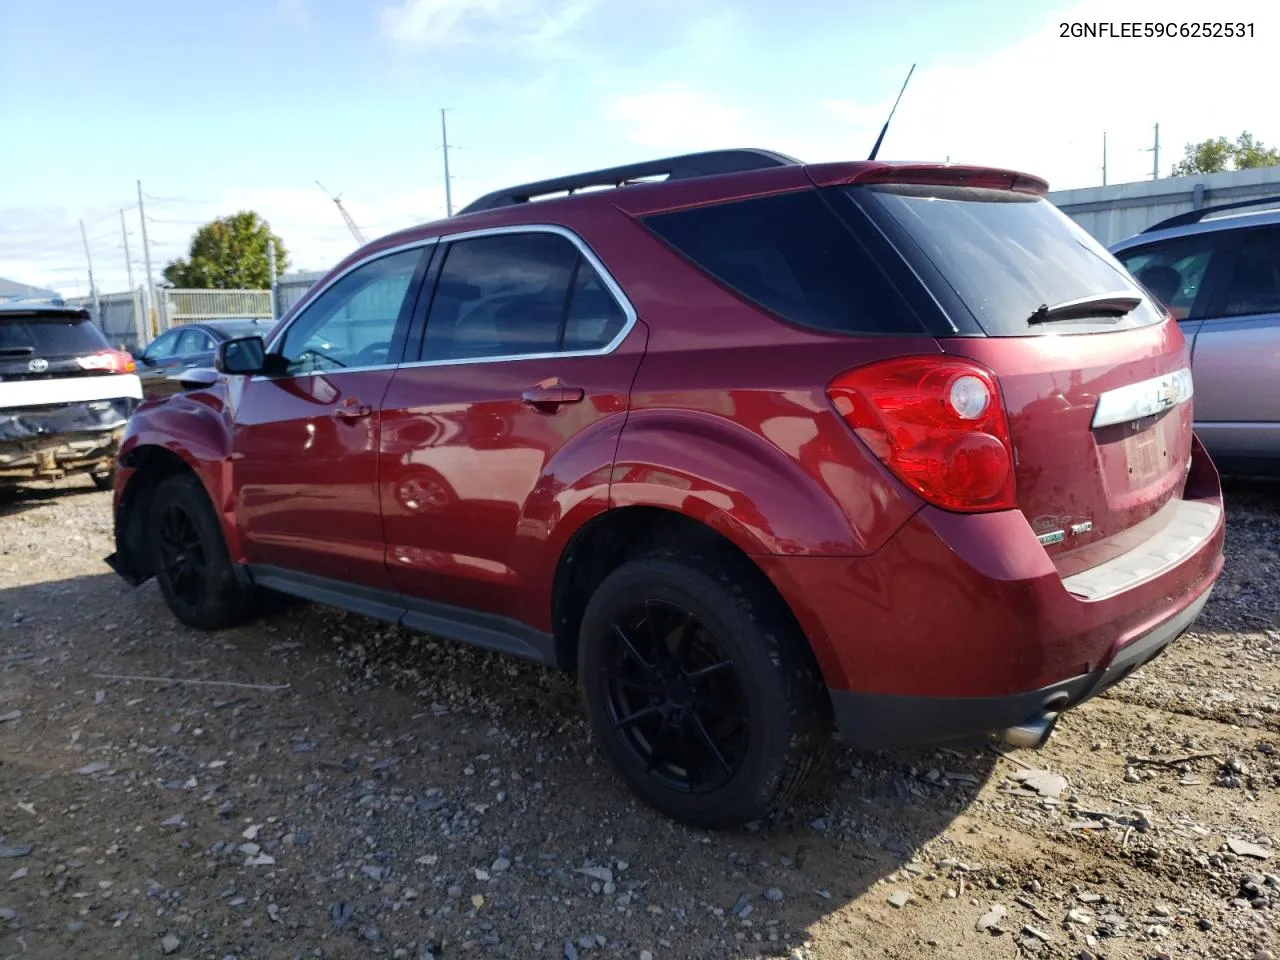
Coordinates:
611 538
146 467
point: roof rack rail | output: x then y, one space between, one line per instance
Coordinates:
1195 216
683 167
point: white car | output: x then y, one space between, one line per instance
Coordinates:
65 395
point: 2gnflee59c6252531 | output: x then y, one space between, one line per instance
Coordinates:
753 449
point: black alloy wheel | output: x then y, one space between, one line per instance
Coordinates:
673 696
701 691
183 566
189 557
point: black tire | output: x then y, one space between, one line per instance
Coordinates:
189 556
104 481
770 681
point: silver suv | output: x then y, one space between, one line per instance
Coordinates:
1218 271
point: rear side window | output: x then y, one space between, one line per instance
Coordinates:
1003 255
1173 271
1255 282
49 336
518 294
594 316
791 254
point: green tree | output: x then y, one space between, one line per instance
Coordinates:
1218 154
227 254
1251 153
1207 156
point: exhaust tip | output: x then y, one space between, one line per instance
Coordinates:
1030 735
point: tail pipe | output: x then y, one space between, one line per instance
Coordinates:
1035 732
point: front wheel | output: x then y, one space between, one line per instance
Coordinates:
190 559
703 697
104 481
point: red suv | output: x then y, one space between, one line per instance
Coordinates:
757 447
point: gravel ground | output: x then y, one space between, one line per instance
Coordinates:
335 788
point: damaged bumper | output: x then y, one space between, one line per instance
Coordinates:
49 442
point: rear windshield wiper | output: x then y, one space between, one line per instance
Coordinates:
1114 305
16 351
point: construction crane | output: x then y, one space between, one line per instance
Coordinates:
351 224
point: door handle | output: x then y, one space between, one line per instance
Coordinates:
352 411
549 397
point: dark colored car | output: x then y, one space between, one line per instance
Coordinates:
65 394
751 449
188 346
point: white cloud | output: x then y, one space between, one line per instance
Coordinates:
676 118
439 22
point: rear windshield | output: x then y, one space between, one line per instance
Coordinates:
792 254
55 335
1002 254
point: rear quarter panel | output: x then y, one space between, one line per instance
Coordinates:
730 422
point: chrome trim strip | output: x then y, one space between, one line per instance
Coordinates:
587 253
1143 399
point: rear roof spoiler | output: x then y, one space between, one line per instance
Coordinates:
1195 216
685 167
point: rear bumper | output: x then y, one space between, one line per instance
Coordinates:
872 721
961 625
47 442
52 457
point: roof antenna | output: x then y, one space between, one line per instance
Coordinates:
885 128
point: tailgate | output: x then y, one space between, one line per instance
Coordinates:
1095 377
1091 464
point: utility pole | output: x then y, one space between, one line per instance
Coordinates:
271 271
1155 159
152 307
1104 158
93 287
444 145
128 263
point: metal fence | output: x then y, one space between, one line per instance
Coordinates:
191 306
125 323
292 287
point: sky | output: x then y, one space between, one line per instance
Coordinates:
224 105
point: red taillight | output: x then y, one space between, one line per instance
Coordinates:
939 424
112 361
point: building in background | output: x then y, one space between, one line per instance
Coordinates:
1120 210
12 290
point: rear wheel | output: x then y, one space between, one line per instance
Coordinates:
703 698
190 559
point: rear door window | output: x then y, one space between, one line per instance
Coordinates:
792 255
54 335
1001 255
518 294
1255 282
1174 271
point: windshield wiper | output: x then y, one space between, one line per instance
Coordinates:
16 351
1112 305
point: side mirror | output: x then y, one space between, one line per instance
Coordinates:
244 355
